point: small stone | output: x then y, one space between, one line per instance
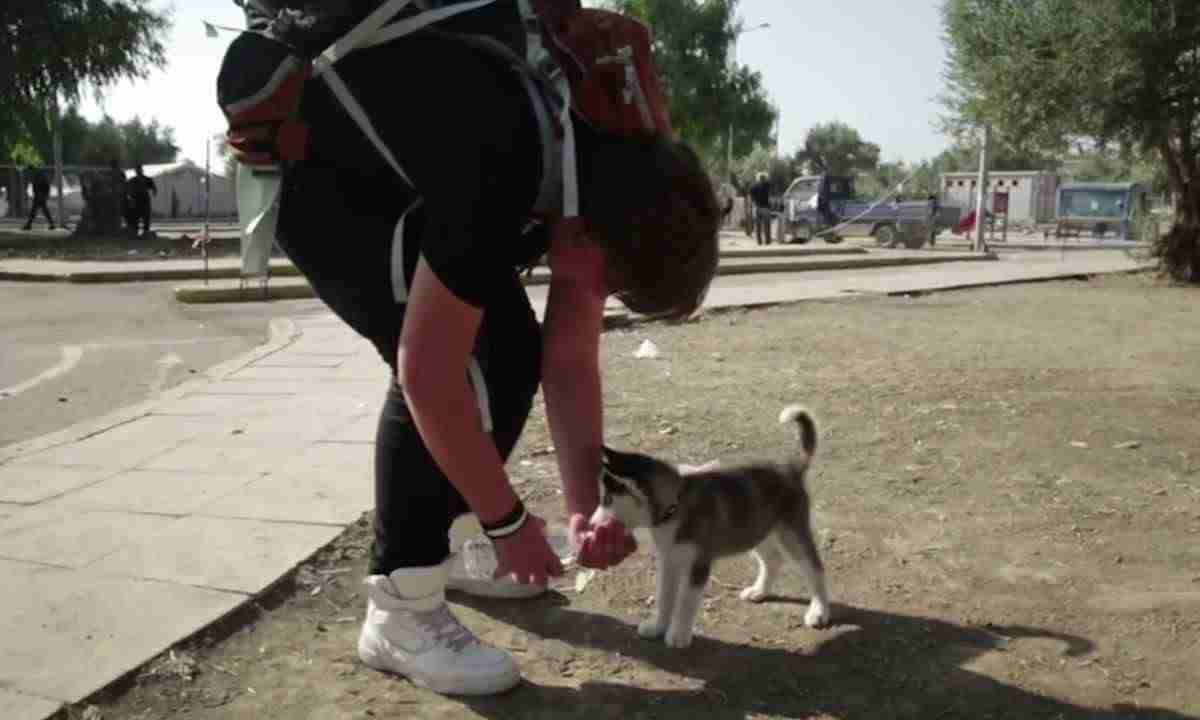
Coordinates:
1079 444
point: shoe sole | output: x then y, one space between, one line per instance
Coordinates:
496 686
495 590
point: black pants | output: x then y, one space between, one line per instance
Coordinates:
39 203
141 217
337 226
762 225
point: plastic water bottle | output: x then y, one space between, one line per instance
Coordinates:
479 557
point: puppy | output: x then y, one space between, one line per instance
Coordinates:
697 518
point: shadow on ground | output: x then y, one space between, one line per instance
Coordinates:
875 665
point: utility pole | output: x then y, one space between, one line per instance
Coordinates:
982 195
58 165
204 235
738 34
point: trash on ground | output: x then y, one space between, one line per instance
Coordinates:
647 351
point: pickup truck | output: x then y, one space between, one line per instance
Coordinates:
815 204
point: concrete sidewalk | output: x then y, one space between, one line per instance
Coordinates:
123 536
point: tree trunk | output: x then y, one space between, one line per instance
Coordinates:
103 205
1178 252
15 184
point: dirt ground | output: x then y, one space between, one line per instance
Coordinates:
15 244
1008 501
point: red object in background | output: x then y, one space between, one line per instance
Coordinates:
1000 203
965 225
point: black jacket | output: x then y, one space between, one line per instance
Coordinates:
41 184
760 193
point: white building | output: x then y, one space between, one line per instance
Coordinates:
181 191
1031 194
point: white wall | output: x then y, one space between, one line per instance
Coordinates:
1031 196
188 185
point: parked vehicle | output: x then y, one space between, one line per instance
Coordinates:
1098 208
815 204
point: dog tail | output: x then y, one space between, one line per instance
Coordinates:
805 424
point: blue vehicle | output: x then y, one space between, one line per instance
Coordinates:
816 204
1097 208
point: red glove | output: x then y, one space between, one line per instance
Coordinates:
602 546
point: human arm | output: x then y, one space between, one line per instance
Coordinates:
432 364
571 369
572 387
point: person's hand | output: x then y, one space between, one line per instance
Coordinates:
526 555
602 546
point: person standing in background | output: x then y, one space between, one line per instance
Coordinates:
760 195
139 189
41 196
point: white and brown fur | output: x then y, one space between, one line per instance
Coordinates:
698 518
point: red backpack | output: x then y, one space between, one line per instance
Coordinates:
605 56
610 68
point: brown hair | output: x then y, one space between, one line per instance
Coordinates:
650 204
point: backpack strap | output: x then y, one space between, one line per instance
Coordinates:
410 25
375 30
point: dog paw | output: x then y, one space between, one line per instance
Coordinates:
678 638
754 594
817 615
651 629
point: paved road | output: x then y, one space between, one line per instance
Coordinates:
74 352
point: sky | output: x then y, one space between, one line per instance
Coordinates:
873 64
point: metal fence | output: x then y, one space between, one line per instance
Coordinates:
66 200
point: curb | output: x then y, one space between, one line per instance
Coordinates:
793 251
301 290
123 276
1023 246
283 332
286 269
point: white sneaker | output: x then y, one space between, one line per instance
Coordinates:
410 631
472 569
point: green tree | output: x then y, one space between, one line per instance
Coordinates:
1047 72
963 156
780 170
51 50
883 179
837 149
1106 164
693 42
147 143
130 143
